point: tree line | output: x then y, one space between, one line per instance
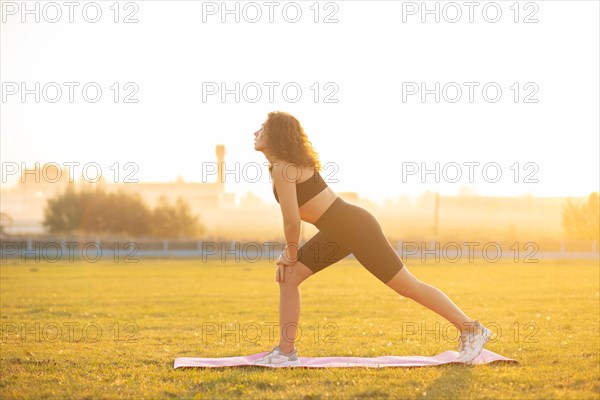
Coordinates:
96 211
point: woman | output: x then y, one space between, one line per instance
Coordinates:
344 228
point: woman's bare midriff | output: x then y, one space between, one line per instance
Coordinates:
312 210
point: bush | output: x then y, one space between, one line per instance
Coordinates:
582 221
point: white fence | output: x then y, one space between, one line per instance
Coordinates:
55 249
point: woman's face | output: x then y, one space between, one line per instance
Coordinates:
260 142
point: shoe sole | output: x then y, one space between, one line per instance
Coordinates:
283 364
289 363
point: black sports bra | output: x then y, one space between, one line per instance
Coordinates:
306 190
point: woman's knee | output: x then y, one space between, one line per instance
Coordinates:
298 274
404 283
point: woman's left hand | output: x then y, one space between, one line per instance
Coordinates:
283 264
285 260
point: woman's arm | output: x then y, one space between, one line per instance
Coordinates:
286 191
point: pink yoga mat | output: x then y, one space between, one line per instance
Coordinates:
447 357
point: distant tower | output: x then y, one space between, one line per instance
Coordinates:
220 160
436 215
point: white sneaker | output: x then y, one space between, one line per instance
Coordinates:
471 342
278 359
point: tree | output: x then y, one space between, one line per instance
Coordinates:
174 221
126 213
73 211
93 210
582 221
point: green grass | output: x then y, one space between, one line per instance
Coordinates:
166 302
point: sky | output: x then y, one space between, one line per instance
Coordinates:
516 84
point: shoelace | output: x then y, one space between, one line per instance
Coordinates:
274 353
465 335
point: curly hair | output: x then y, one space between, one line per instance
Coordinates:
287 140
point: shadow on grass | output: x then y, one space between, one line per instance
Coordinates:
454 381
232 382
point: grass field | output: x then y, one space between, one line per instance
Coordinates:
122 326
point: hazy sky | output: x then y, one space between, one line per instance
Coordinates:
374 61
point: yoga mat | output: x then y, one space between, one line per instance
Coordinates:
447 357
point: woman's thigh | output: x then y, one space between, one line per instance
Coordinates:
321 251
371 248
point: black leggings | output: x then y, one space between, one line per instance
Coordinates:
345 228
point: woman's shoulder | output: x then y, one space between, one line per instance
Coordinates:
282 166
291 170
